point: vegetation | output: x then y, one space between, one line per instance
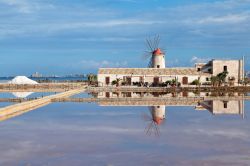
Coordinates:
246 81
92 78
172 82
196 82
219 79
116 82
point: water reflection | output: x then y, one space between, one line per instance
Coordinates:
183 131
21 94
218 107
155 118
215 103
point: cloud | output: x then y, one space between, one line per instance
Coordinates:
228 19
92 64
24 6
228 133
18 150
195 59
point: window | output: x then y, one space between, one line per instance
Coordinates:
107 80
158 66
207 79
225 68
198 69
209 70
141 79
107 94
225 104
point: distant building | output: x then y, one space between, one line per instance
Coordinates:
36 74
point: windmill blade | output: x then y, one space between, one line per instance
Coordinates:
149 44
163 50
149 128
157 41
146 55
157 131
150 63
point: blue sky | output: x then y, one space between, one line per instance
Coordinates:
77 36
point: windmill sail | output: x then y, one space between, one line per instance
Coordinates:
153 49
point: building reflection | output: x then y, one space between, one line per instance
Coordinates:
219 107
216 104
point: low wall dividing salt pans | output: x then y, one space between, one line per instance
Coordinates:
20 108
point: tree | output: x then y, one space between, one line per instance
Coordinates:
92 78
214 80
222 77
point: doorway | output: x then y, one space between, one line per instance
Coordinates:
184 80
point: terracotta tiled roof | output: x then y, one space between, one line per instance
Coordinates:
151 71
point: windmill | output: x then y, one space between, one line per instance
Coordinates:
156 117
156 55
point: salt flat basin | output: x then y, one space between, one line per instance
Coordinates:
25 94
90 134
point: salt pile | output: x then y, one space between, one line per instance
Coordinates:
22 80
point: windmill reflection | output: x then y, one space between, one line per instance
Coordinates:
155 119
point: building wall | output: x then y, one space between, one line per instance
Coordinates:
234 68
150 78
148 95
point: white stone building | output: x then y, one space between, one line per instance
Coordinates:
157 73
150 75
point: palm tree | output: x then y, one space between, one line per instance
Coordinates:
222 77
219 78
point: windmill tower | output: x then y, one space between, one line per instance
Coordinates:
157 56
156 118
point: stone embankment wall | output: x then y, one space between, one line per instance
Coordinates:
44 87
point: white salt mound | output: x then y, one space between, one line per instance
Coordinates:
22 80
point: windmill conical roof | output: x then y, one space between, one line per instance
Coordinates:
158 120
157 52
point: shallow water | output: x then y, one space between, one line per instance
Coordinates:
90 134
25 94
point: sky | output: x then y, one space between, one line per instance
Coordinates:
79 36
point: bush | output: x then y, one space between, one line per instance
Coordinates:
195 82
